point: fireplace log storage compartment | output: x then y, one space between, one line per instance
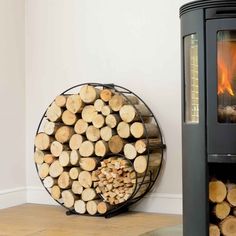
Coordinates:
98 149
208 39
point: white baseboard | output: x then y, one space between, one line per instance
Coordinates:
154 202
12 197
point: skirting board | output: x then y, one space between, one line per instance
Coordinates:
12 197
154 202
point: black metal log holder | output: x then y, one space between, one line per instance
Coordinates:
122 207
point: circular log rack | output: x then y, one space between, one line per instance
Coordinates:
142 182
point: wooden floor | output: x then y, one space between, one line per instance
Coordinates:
44 220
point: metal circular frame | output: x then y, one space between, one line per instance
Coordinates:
122 207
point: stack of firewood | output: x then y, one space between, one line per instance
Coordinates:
81 131
223 198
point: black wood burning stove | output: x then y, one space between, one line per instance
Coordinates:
208 33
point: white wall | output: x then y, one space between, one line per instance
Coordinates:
12 97
133 43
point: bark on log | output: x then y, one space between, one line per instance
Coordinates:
116 144
137 129
42 141
112 120
64 134
88 113
54 112
75 141
142 145
106 95
89 93
123 130
55 169
64 180
93 133
81 126
80 206
69 118
86 149
228 226
85 179
217 191
101 148
74 103
98 121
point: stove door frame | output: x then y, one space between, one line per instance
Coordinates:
221 138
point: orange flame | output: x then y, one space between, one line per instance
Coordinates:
226 60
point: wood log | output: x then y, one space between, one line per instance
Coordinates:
130 151
74 103
56 148
228 226
117 101
89 93
93 133
123 129
55 169
43 170
50 128
85 179
81 126
60 100
137 129
49 158
88 113
86 149
98 121
64 134
99 104
64 180
77 188
142 145
130 113
74 157
68 198
75 141
101 148
92 207
88 163
112 120
217 191
214 230
142 162
69 118
42 141
48 182
54 112
64 158
38 157
80 206
106 110
222 210
231 194
74 172
56 192
106 95
88 194
106 133
116 144
103 207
